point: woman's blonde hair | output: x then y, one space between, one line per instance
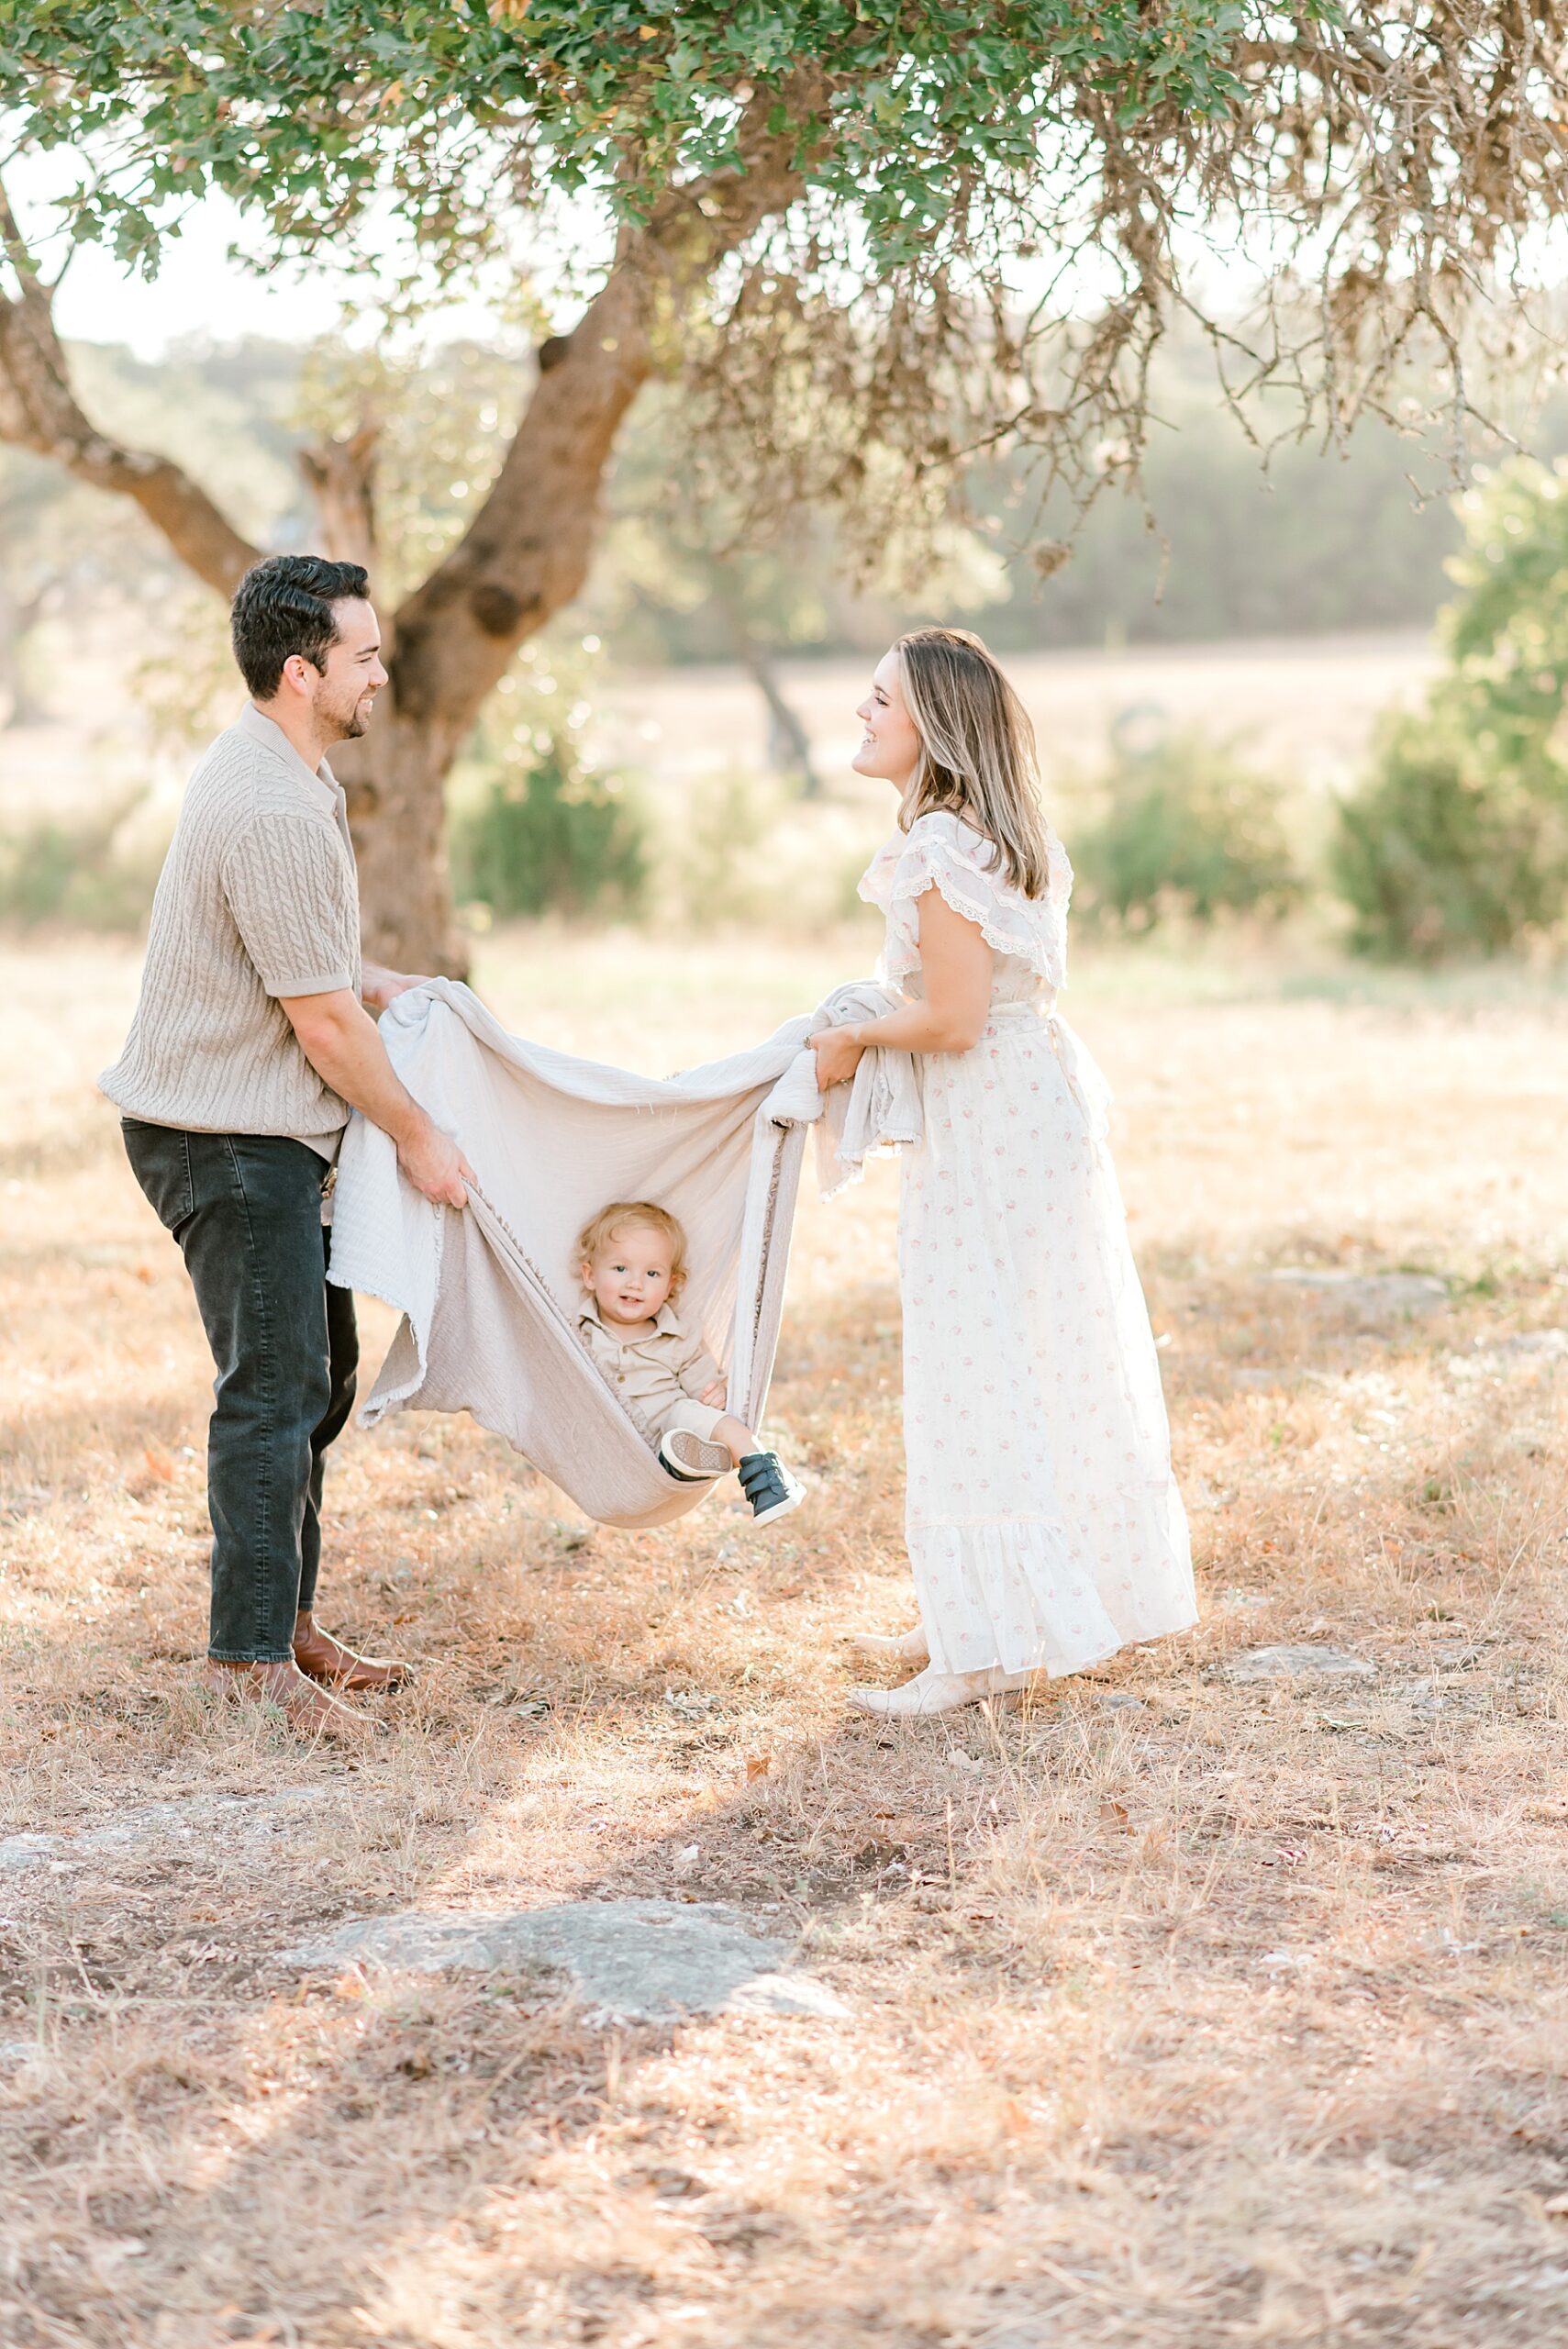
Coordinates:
619 1216
977 750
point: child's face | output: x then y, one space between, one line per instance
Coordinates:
630 1277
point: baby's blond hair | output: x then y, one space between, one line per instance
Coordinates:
619 1216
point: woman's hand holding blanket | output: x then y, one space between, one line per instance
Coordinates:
838 1052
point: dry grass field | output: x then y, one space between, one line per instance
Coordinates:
1182 2011
1303 706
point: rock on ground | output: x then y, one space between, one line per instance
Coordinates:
1303 1662
162 1824
1377 1295
644 1961
1533 1350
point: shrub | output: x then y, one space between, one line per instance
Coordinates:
36 871
737 851
548 835
1506 632
1188 828
1457 840
82 874
1447 848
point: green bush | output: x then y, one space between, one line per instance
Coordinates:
1506 632
548 835
1187 829
80 873
36 867
1448 848
1457 840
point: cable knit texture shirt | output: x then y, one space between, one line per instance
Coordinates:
258 898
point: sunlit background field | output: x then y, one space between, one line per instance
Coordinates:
1215 1996
1181 2010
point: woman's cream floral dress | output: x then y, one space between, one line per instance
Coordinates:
1044 1528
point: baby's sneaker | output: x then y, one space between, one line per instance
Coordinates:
691 1458
769 1486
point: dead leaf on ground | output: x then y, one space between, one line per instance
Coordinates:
893 1831
1115 1814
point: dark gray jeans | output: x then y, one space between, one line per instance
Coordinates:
246 1210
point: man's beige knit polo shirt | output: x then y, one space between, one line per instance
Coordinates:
258 898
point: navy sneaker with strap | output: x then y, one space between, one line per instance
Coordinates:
769 1486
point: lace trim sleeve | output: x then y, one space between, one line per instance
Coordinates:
939 851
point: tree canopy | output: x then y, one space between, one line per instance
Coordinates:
876 241
981 214
906 112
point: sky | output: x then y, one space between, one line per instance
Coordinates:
199 290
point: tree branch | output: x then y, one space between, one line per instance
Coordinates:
528 550
340 477
38 411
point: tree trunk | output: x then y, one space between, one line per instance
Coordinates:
395 777
19 616
340 477
789 744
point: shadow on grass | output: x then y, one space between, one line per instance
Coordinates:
339 2161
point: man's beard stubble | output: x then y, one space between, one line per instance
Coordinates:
351 723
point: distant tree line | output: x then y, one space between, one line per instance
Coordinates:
1322 541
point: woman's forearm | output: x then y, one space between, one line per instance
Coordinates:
950 1015
920 1027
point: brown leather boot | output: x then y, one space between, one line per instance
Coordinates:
321 1657
307 1708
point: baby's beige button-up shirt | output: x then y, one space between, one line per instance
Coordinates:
650 1374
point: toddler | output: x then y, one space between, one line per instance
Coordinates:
633 1265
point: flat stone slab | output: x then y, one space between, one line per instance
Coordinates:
632 1961
172 1826
1381 1296
1533 1345
1303 1662
1525 1349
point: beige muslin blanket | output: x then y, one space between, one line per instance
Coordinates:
489 1297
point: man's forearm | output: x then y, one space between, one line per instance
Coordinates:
340 1041
346 1052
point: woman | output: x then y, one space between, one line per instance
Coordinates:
1043 1526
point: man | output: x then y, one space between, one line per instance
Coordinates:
249 1045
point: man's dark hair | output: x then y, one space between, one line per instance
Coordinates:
283 606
